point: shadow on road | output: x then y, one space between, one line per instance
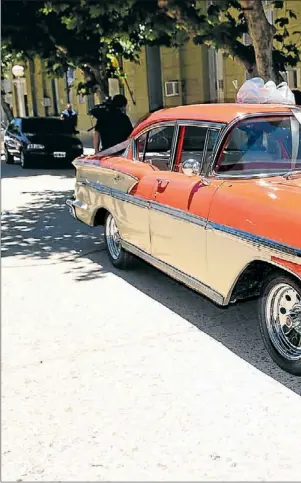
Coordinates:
235 327
43 228
15 171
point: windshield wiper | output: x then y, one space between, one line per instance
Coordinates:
292 174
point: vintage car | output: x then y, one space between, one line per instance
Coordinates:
210 195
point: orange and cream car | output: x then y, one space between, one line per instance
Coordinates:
211 195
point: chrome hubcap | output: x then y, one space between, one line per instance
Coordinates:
22 159
283 317
113 238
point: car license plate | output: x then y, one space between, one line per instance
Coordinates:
59 154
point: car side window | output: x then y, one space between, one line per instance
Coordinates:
259 146
12 127
212 138
191 145
140 146
16 127
158 147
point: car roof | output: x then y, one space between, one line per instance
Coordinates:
223 113
37 118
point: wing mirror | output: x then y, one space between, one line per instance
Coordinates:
191 167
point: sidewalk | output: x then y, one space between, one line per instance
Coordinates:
86 138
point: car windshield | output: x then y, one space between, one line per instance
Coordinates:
45 126
262 146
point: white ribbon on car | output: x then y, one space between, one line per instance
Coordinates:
255 91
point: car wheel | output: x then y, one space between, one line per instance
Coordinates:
9 159
25 160
118 256
280 321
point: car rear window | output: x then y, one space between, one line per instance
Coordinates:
262 146
45 126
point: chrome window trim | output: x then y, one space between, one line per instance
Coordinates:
174 145
200 123
195 123
224 133
147 130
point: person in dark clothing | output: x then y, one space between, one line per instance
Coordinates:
113 125
70 116
297 94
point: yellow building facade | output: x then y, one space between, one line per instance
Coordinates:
164 77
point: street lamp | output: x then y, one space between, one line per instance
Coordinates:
18 72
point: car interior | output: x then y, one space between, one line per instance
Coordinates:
256 147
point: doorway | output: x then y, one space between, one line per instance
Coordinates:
154 77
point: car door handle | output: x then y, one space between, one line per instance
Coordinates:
162 183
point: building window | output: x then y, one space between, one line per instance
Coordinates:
171 88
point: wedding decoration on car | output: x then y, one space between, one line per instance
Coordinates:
255 91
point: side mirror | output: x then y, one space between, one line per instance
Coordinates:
191 167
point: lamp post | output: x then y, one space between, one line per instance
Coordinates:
18 72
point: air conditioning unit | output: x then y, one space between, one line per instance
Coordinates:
172 88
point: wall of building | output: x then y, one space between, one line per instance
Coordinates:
135 88
196 68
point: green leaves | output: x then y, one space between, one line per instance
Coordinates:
282 21
91 34
279 4
292 14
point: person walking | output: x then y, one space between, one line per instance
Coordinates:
113 125
70 116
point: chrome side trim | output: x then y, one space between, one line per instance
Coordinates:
105 168
97 186
197 220
256 239
191 282
180 214
117 194
134 200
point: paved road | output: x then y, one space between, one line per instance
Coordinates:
126 376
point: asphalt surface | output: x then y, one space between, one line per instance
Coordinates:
126 376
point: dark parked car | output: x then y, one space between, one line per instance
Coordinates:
40 141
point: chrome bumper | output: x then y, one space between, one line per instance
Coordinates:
70 203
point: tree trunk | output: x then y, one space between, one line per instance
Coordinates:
6 108
261 33
101 87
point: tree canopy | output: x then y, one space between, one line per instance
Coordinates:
95 34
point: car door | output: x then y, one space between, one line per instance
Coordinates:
154 149
180 206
